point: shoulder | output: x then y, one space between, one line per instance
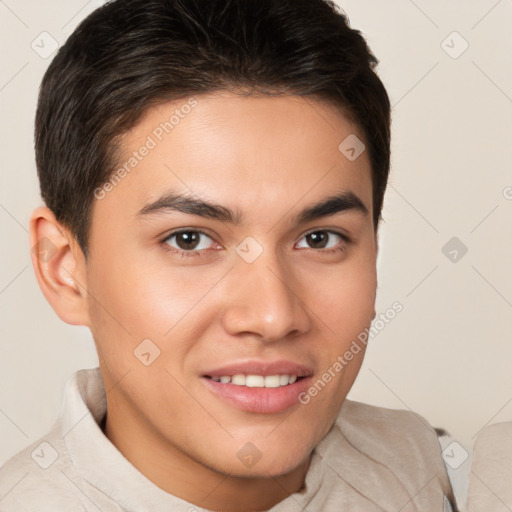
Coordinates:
389 433
40 477
383 421
491 471
390 456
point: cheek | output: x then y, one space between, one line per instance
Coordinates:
134 299
344 297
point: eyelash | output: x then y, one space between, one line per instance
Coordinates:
179 252
341 248
195 253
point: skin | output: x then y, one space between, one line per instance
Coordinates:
267 158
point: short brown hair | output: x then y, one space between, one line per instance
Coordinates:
131 54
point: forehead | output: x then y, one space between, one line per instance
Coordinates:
258 154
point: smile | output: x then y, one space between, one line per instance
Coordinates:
257 381
256 386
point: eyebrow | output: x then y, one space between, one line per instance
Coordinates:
331 205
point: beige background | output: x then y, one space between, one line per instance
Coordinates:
448 354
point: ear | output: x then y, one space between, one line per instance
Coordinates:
60 267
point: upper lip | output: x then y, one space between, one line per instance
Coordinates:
264 368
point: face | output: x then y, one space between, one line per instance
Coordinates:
228 269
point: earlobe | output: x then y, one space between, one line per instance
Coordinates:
59 266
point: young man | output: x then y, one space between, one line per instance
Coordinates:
214 173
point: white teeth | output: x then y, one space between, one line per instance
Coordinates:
257 381
272 381
238 380
283 380
254 381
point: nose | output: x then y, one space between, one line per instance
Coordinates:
264 301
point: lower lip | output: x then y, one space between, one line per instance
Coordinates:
260 400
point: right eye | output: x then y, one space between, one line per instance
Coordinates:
188 241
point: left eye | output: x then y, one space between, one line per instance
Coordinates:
321 240
189 241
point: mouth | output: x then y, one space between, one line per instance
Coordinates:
257 381
261 388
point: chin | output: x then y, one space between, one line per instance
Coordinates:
279 464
